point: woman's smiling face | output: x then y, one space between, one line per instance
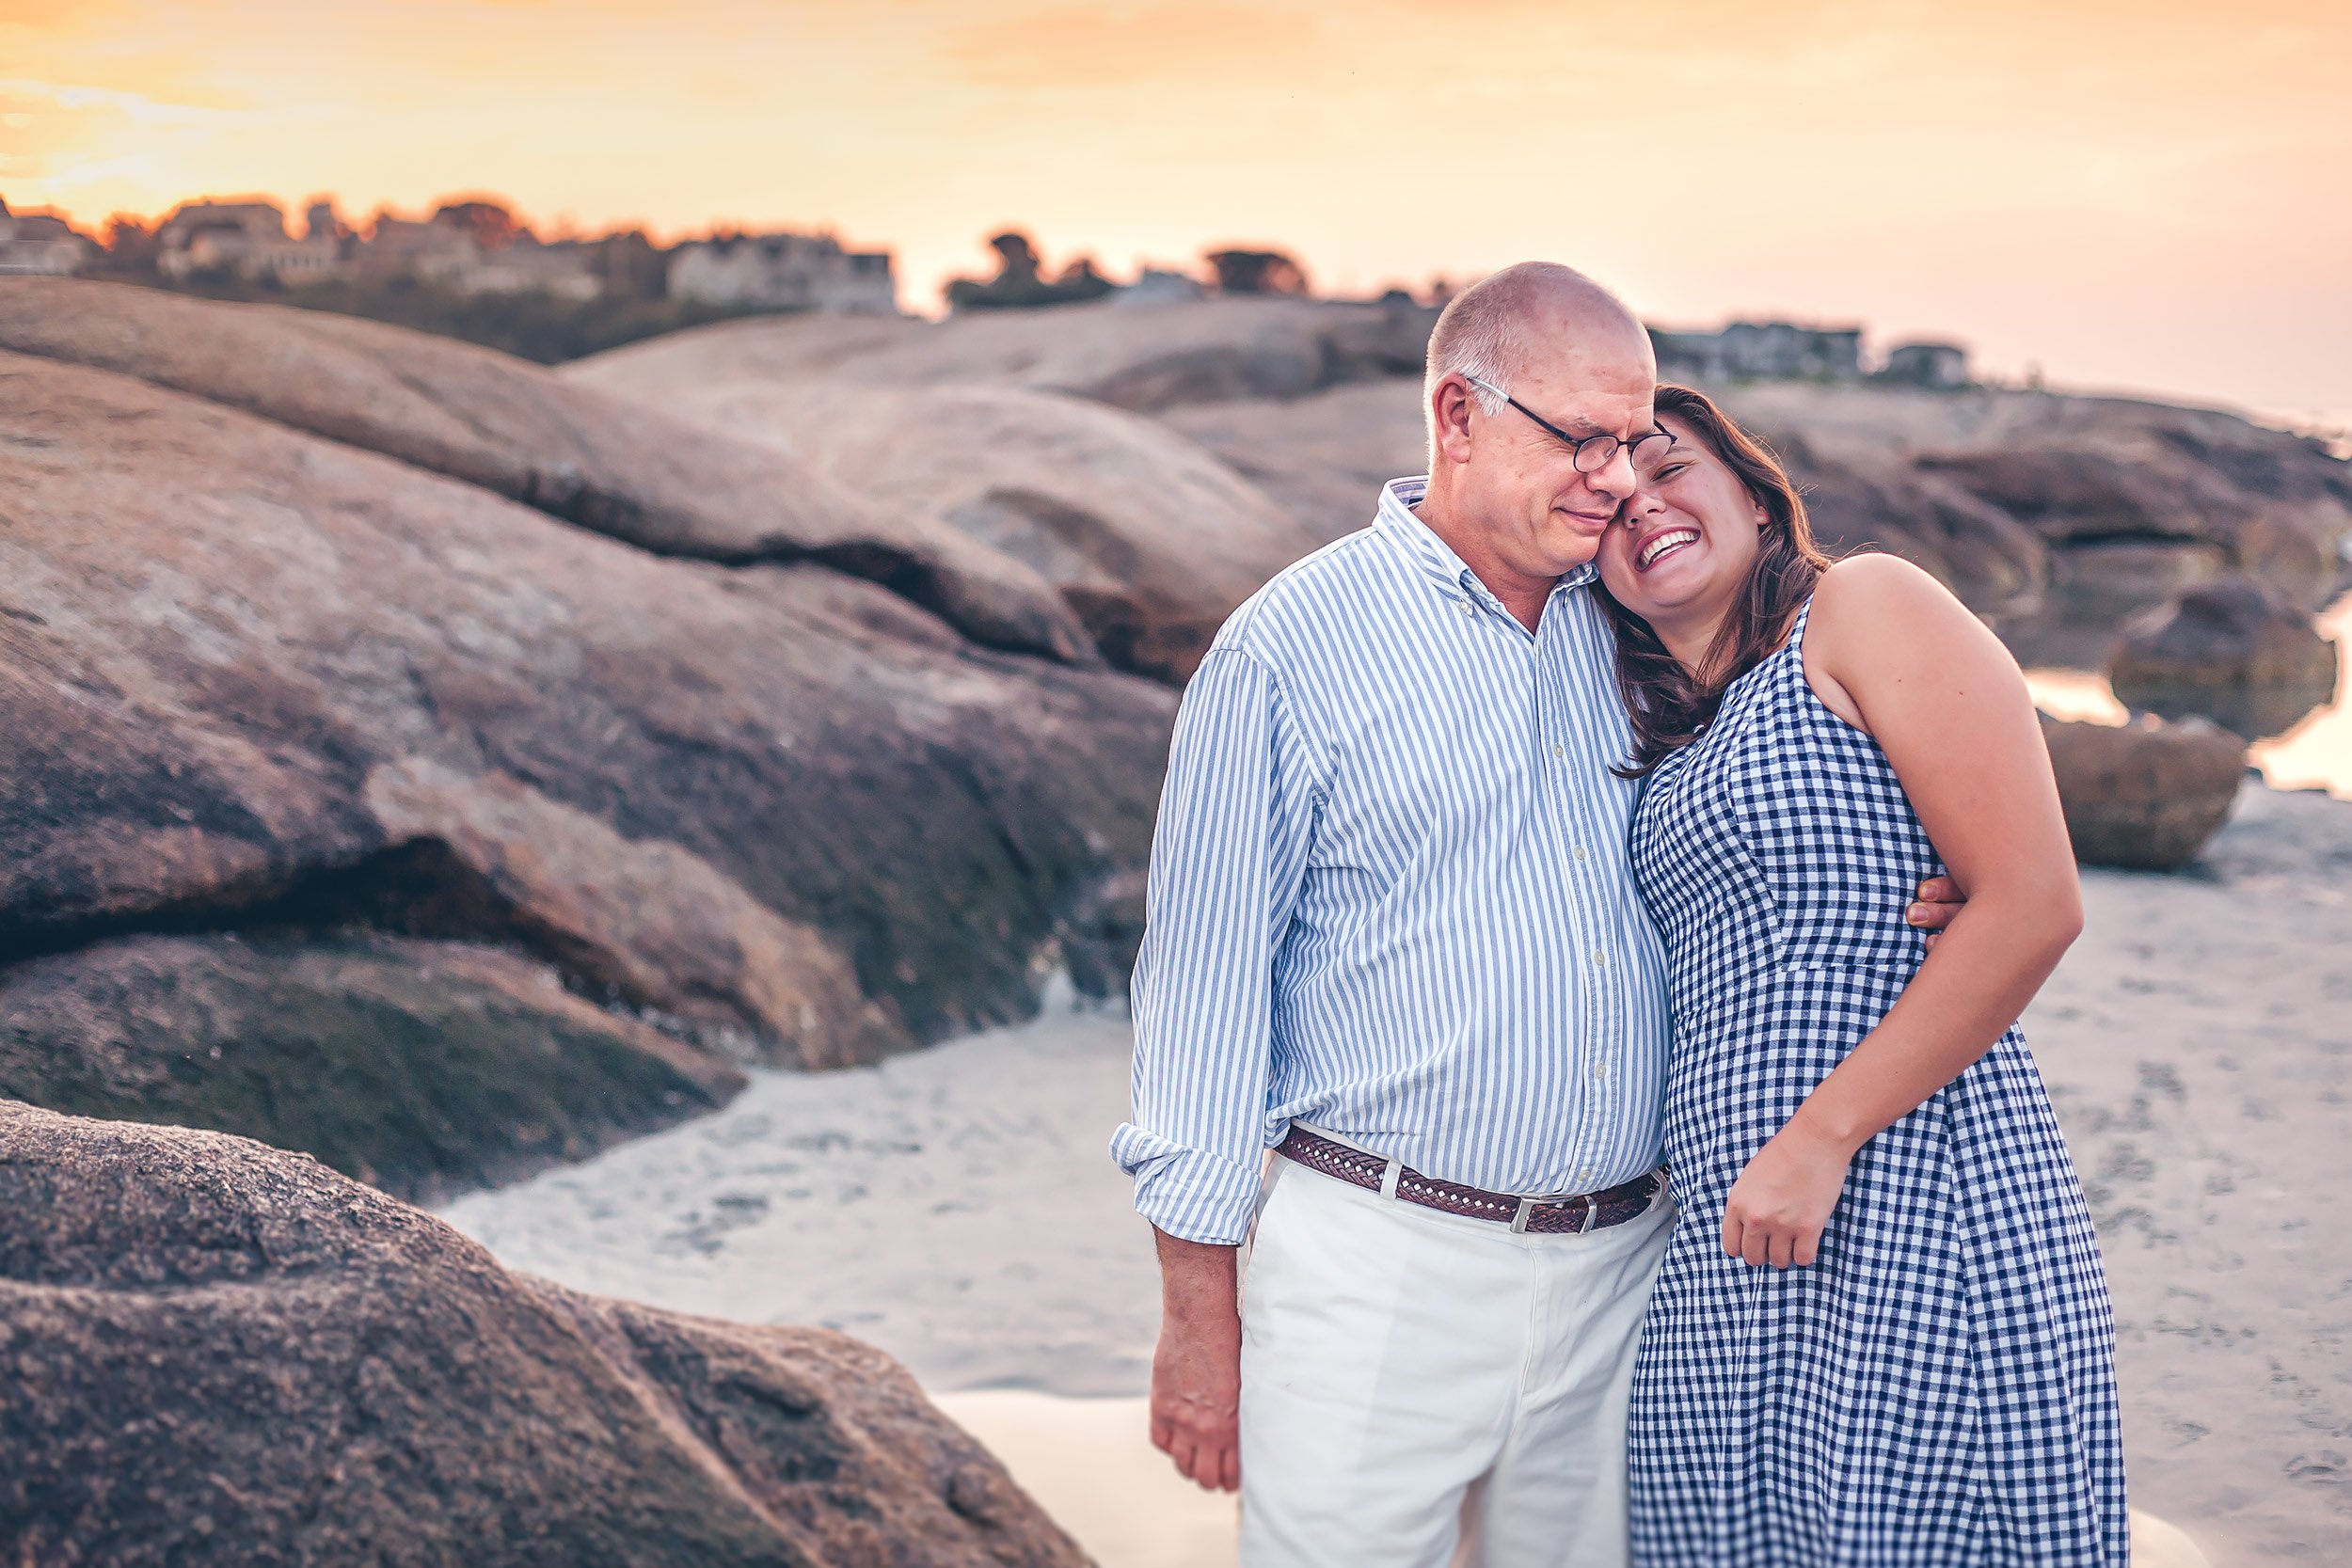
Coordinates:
1684 542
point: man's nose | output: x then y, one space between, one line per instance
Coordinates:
1616 478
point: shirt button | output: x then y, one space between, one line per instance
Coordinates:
1559 751
1601 1070
1579 851
1600 958
1584 1179
1468 609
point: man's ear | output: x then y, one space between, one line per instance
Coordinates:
1449 416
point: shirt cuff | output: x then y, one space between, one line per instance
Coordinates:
1192 1194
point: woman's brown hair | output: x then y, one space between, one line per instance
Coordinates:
1670 705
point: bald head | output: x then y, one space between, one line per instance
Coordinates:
1534 314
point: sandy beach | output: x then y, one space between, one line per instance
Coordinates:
956 1208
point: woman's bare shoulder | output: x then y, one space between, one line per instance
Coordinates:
1878 603
1879 624
1875 582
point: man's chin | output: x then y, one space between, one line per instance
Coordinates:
1572 548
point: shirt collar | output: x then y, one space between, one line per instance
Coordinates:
1434 555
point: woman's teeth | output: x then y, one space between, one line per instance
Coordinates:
1665 545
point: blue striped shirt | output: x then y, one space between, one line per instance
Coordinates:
1389 895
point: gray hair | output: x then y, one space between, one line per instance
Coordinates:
1486 332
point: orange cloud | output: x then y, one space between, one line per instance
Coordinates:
1098 48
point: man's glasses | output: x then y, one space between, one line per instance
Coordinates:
1591 452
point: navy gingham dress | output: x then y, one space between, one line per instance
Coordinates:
1939 1386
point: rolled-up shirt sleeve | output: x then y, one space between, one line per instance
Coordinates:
1236 818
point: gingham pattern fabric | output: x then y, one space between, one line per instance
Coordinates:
1389 892
1938 1387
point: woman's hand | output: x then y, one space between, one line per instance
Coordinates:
1782 1199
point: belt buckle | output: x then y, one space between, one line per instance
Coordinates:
1528 1205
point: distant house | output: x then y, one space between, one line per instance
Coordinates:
565 269
785 272
447 250
1941 366
1760 351
1159 286
247 238
37 243
432 252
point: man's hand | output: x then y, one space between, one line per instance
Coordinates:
1196 1372
1940 899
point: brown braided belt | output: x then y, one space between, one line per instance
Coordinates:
1547 1217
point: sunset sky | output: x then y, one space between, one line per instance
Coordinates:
2155 194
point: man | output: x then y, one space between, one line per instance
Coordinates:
1391 930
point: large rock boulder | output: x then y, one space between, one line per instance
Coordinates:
516 429
2098 587
1324 457
257 681
2134 502
1149 540
220 1353
1147 358
2236 651
1872 501
2145 796
420 1066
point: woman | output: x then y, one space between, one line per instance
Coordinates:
1882 1334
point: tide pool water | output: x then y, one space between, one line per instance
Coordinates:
1090 1465
2315 754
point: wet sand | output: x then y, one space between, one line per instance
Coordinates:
956 1208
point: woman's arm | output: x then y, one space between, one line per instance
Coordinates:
1888 648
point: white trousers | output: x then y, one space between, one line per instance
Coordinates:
1419 1388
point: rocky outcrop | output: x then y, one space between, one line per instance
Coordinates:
517 430
1149 539
420 1066
1322 457
2236 651
259 683
2145 796
221 1353
1147 358
1103 933
2058 518
2131 502
650 925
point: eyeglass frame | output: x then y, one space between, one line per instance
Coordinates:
1577 445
